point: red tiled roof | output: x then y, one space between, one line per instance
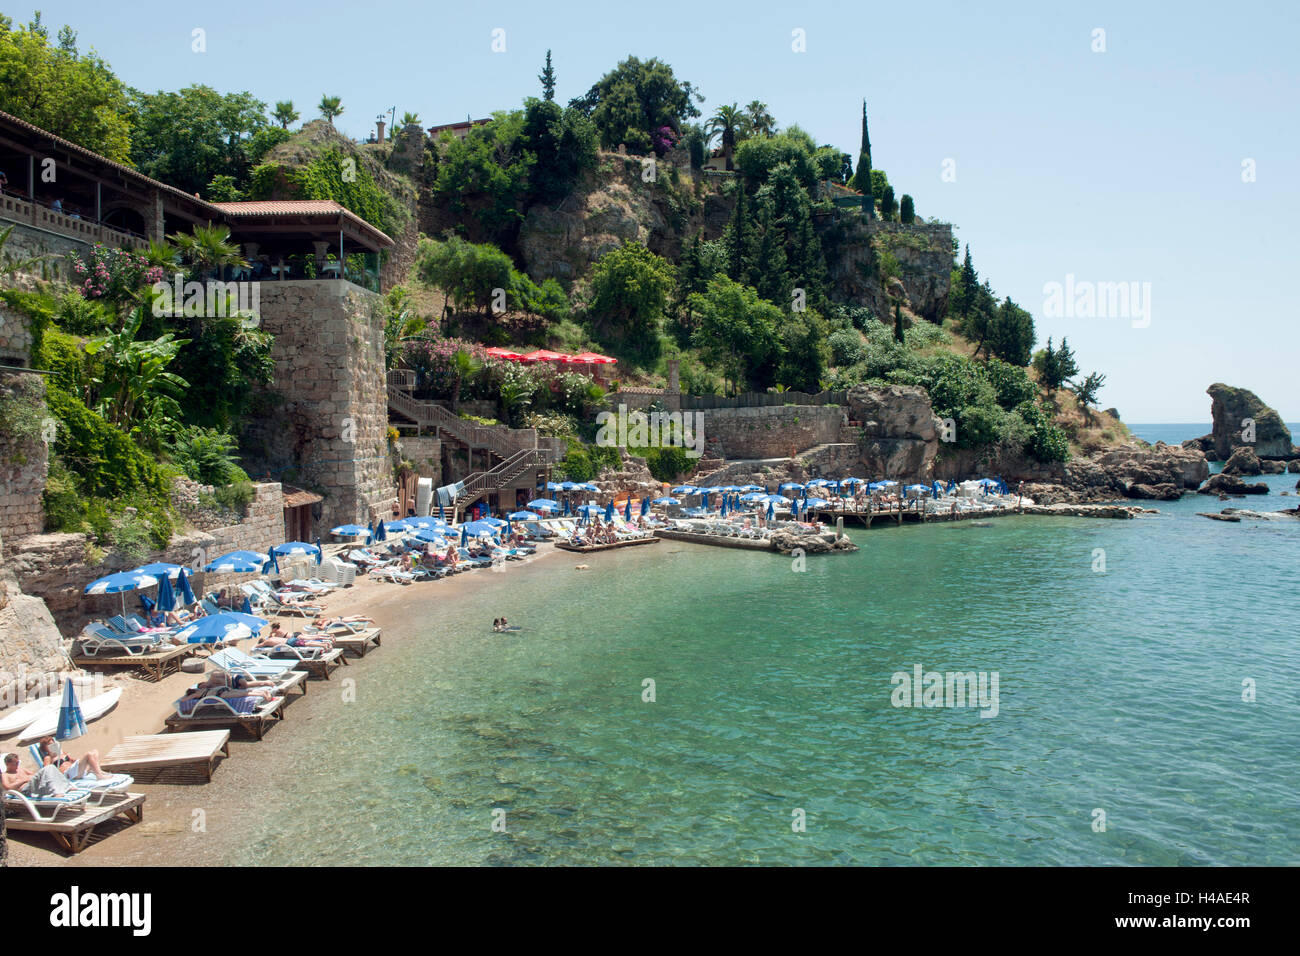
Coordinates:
324 208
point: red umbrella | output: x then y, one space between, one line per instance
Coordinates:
542 355
504 353
593 358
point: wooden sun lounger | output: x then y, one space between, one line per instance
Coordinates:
319 666
357 643
74 832
156 664
160 751
213 715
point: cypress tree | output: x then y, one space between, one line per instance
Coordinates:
862 178
907 210
547 76
737 231
898 324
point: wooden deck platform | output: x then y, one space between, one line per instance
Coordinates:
212 715
199 748
73 832
156 664
593 548
358 643
717 540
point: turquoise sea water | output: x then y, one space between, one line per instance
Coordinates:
1118 691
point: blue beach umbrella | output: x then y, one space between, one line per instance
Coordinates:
400 525
666 501
183 587
544 504
160 570
370 530
627 509
567 510
752 488
523 516
645 506
609 510
247 606
852 482
791 486
724 506
794 508
554 486
237 562
70 724
290 548
917 488
320 552
166 596
753 496
428 536
227 626
771 512
685 490
483 526
588 510
349 530
120 583
815 503
464 535
776 499
380 533
146 604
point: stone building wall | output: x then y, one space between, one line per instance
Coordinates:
769 432
325 421
426 454
27 242
30 643
23 457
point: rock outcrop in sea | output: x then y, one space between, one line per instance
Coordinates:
811 542
1232 412
1222 484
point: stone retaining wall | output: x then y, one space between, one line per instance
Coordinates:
771 432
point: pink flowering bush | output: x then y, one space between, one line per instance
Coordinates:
113 275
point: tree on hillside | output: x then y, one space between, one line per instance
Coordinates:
467 273
188 137
965 282
409 119
628 296
284 113
547 76
1086 392
862 179
736 236
636 99
1011 334
758 121
907 210
330 107
562 143
72 95
726 121
1055 367
979 318
899 332
737 330
888 207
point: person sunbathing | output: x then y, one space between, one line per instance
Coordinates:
349 619
200 691
14 777
277 638
52 755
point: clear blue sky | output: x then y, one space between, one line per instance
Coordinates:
1123 165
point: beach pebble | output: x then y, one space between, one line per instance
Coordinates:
582 567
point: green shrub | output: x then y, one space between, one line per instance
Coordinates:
235 496
846 347
107 463
207 456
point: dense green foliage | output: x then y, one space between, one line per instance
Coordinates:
54 86
635 101
323 177
629 294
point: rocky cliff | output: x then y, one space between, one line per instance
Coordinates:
923 252
899 431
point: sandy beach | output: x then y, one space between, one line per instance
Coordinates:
176 813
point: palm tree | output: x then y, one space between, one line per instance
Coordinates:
727 121
409 118
207 248
463 365
758 121
330 107
284 113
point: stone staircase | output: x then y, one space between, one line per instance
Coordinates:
517 449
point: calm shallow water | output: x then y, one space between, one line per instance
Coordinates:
1118 690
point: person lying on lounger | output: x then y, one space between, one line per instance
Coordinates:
276 637
48 781
52 755
200 691
15 777
349 619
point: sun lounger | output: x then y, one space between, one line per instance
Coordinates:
47 809
358 642
108 783
74 831
97 640
234 661
315 660
280 606
252 713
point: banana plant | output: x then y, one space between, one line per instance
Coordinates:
130 384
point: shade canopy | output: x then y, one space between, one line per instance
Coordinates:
237 562
541 355
350 530
160 569
227 626
666 501
121 582
544 504
296 547
523 516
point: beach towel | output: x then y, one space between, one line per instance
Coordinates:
49 781
447 494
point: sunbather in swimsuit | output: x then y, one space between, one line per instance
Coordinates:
52 755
